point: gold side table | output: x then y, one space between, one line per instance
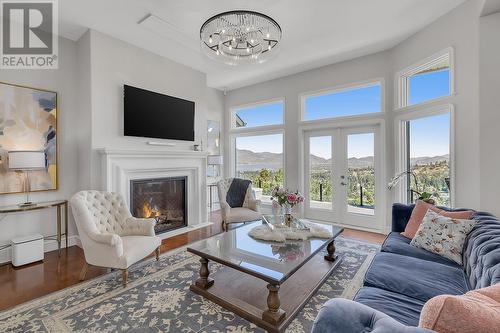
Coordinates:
58 204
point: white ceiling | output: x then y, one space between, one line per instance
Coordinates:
315 32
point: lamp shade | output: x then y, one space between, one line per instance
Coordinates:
26 160
215 160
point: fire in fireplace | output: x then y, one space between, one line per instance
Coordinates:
163 199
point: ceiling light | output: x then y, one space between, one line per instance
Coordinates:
241 30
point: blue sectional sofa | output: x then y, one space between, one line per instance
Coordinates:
401 278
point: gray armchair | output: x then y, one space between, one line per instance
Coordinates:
237 210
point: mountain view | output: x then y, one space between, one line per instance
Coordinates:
265 171
252 161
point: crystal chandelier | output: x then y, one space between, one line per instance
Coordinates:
240 36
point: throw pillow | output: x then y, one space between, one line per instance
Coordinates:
418 213
443 235
476 311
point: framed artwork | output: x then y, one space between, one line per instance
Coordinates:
28 122
213 137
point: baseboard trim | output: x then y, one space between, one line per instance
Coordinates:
48 246
354 227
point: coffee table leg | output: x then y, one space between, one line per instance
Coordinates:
330 248
204 281
274 314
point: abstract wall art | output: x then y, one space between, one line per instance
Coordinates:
28 121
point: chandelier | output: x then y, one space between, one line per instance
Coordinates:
240 36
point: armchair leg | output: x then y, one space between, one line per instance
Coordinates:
124 277
157 253
83 272
224 226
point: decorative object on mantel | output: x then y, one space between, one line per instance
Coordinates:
286 200
240 36
28 122
26 162
279 234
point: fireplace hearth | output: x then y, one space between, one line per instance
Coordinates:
163 199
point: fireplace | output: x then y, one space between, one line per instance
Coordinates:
163 199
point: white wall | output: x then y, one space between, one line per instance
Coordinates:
457 29
489 102
64 82
115 63
84 117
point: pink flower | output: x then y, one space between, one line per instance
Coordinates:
292 198
301 199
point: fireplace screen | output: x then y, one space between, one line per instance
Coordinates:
163 199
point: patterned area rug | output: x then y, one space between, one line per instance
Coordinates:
158 299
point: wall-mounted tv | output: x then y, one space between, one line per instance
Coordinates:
152 115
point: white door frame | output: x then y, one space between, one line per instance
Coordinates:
339 214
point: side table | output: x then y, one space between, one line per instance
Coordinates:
210 186
58 204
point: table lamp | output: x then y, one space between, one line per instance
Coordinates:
215 160
24 160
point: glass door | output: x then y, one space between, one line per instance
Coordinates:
319 171
359 178
342 176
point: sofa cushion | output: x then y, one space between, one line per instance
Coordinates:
419 211
413 277
399 244
342 315
241 214
476 311
443 235
404 309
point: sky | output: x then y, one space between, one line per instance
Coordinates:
272 143
429 136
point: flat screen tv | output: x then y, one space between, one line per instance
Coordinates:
152 115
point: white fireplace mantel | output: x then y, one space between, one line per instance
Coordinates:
120 167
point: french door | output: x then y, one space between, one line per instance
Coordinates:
342 176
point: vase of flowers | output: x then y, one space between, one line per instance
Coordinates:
286 200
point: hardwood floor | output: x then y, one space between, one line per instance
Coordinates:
19 285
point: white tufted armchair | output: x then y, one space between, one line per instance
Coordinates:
110 235
249 211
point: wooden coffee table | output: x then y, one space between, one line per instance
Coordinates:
266 283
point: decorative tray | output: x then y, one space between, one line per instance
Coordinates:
277 222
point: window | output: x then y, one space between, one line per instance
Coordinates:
259 158
426 82
361 173
427 158
258 115
425 140
320 172
342 103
